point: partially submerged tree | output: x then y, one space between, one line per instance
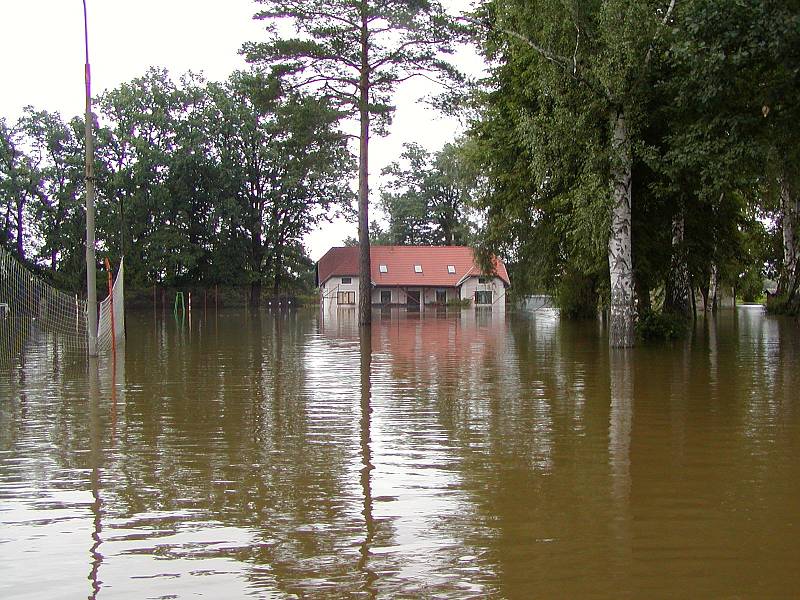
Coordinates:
355 52
590 65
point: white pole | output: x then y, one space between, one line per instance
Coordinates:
91 262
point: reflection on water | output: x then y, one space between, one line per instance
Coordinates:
455 454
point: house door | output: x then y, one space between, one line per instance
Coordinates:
412 299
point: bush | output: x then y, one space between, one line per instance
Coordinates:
654 326
308 299
780 305
576 296
459 303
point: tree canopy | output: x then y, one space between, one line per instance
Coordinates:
653 133
199 182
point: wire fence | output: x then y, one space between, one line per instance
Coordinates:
30 308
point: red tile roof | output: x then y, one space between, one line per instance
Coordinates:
400 262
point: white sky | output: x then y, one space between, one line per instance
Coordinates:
41 42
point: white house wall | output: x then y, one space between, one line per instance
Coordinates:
330 289
428 295
494 285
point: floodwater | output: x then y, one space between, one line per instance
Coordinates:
454 455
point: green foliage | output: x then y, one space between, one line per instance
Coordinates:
655 326
198 183
782 305
710 92
354 53
427 197
459 303
576 296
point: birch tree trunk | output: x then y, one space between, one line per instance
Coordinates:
791 248
620 265
678 288
713 287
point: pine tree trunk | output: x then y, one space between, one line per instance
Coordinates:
620 265
678 289
257 256
364 278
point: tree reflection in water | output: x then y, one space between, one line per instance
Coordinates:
365 346
452 454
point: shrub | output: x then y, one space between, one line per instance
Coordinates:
576 296
459 302
655 326
780 305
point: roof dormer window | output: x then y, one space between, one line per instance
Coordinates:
451 269
417 268
383 268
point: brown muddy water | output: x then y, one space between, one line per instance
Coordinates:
455 455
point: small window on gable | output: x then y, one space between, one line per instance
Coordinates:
451 269
383 268
346 280
417 268
483 280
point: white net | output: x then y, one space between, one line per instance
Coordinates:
31 308
112 315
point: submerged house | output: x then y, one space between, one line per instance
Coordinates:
412 276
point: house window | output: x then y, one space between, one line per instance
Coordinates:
417 268
386 297
346 297
483 280
441 296
451 269
347 280
483 297
383 268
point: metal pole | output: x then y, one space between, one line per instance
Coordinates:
91 262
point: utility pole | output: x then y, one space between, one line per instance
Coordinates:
91 261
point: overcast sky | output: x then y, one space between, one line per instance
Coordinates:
41 42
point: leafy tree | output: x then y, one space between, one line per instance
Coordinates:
57 210
20 178
138 211
355 52
428 197
284 164
734 122
588 68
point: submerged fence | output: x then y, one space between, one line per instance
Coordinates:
30 307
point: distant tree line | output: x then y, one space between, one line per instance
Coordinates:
199 183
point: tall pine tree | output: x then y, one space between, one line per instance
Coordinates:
355 53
